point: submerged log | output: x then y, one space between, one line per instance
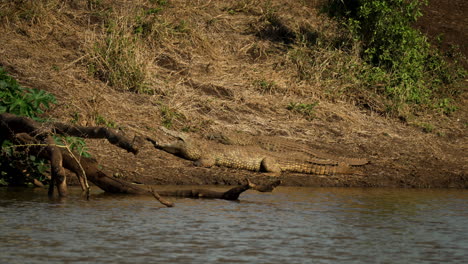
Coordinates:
37 139
231 194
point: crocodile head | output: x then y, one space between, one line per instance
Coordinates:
181 147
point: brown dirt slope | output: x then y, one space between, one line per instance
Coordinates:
218 66
446 20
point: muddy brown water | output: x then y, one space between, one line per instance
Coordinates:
290 225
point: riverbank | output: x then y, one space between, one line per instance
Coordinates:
213 68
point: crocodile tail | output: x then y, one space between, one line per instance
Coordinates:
326 156
345 168
305 167
318 169
354 161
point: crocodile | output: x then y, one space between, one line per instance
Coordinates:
208 153
283 145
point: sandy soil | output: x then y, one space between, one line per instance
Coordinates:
210 91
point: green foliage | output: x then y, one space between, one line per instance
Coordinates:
446 106
22 101
399 56
307 110
425 127
19 168
265 86
392 44
3 182
145 22
100 120
74 144
169 116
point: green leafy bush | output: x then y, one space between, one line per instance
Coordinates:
74 144
400 57
22 101
19 168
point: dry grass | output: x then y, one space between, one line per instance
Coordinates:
238 53
117 57
32 12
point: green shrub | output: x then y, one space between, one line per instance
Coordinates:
19 168
20 100
400 57
74 144
307 110
102 121
170 115
265 86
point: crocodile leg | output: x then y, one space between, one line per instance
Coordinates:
270 166
205 162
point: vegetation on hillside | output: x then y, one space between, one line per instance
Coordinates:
372 56
397 57
275 67
18 167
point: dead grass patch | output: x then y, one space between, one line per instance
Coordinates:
117 56
29 11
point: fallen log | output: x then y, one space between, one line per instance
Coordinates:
11 124
36 138
231 194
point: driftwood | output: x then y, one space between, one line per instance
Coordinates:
37 139
231 194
